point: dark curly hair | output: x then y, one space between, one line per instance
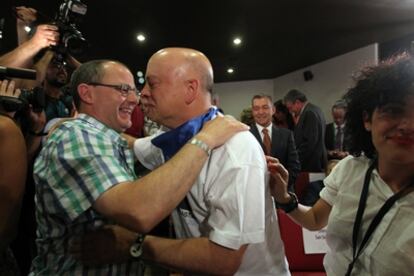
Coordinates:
391 81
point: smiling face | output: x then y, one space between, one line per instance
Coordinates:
262 111
109 105
392 130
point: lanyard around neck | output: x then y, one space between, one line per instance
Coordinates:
356 252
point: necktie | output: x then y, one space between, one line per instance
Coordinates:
338 138
266 141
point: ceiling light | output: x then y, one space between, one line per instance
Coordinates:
141 80
140 74
230 70
27 29
237 41
141 37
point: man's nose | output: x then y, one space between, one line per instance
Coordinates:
145 91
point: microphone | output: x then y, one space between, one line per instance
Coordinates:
20 73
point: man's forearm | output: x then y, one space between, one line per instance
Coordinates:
195 255
20 57
141 204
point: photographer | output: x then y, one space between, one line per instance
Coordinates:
52 67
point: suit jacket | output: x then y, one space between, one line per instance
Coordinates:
330 136
310 139
284 149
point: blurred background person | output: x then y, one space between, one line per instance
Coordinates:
246 116
309 131
335 132
282 117
275 141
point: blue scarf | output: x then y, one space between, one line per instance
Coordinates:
172 141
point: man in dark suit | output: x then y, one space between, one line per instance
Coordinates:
334 135
280 142
309 131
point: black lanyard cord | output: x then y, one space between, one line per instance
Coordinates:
356 252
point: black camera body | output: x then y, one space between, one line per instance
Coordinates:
68 17
34 97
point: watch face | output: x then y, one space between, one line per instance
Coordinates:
136 250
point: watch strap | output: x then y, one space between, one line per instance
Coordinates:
291 205
136 248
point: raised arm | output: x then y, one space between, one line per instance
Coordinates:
45 36
312 218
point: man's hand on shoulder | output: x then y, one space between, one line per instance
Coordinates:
217 131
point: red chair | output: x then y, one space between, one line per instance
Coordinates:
300 264
301 182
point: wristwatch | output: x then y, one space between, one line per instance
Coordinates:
136 248
291 205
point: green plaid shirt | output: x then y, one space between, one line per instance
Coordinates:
80 161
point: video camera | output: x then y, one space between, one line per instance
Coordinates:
71 39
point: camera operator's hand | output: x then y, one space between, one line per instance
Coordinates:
7 89
25 15
45 36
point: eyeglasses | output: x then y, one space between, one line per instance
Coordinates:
124 89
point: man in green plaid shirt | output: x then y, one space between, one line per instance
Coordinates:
85 179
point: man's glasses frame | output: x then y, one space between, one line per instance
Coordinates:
124 89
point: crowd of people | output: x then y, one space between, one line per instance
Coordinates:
74 200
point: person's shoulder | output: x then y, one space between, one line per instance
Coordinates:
242 136
73 130
351 163
7 124
242 143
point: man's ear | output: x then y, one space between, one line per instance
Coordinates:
85 93
367 120
192 87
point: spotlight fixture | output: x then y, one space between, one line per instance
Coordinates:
237 41
27 29
230 70
141 37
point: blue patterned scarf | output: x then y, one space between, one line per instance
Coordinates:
172 141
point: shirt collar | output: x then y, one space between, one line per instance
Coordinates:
93 122
260 128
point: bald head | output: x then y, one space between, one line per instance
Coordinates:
178 86
187 63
